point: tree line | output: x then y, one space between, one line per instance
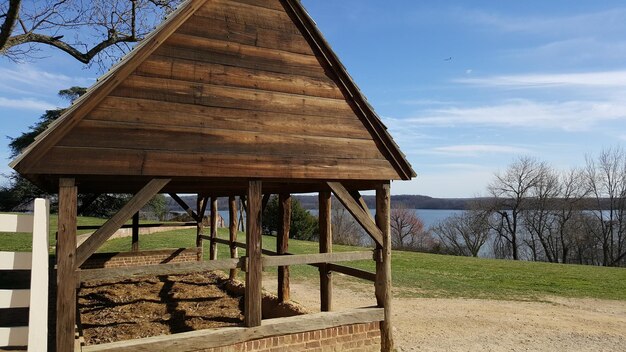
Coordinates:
536 212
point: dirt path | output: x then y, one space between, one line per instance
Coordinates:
432 324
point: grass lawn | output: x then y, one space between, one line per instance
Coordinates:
430 275
414 274
22 242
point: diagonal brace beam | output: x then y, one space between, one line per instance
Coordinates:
185 207
105 231
360 215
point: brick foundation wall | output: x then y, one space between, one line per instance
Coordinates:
357 337
126 259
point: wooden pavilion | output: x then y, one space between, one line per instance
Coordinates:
225 98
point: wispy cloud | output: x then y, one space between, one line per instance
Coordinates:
475 149
25 104
606 21
569 115
602 79
27 78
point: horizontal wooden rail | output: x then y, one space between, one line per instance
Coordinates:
14 298
358 273
16 223
211 338
161 269
239 245
14 336
128 226
285 260
16 260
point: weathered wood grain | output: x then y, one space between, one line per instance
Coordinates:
325 246
219 74
383 268
299 259
145 111
254 271
67 263
110 161
282 244
213 250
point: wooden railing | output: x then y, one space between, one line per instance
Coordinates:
34 335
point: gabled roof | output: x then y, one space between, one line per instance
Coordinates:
223 88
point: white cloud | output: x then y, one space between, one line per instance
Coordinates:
25 78
608 21
474 149
602 79
569 115
26 104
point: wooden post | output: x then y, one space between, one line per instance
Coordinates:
201 203
232 228
242 208
326 246
66 266
254 267
383 265
213 252
282 244
135 237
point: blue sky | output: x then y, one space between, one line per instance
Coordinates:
464 86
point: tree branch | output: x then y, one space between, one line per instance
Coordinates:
58 43
11 19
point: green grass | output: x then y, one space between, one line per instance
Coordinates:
430 275
22 242
414 274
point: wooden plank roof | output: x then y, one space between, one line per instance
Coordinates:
222 89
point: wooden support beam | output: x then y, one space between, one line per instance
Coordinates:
360 215
184 205
358 273
266 199
135 233
383 268
326 246
282 244
213 248
66 266
201 203
254 272
243 208
214 338
232 232
361 201
140 199
299 259
155 270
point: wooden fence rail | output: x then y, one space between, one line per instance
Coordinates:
35 335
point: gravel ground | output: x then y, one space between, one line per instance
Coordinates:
433 324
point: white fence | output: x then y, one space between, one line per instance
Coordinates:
35 335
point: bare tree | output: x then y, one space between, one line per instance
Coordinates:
464 234
407 231
510 191
606 181
86 30
537 216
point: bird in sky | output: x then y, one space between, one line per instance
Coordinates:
448 59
